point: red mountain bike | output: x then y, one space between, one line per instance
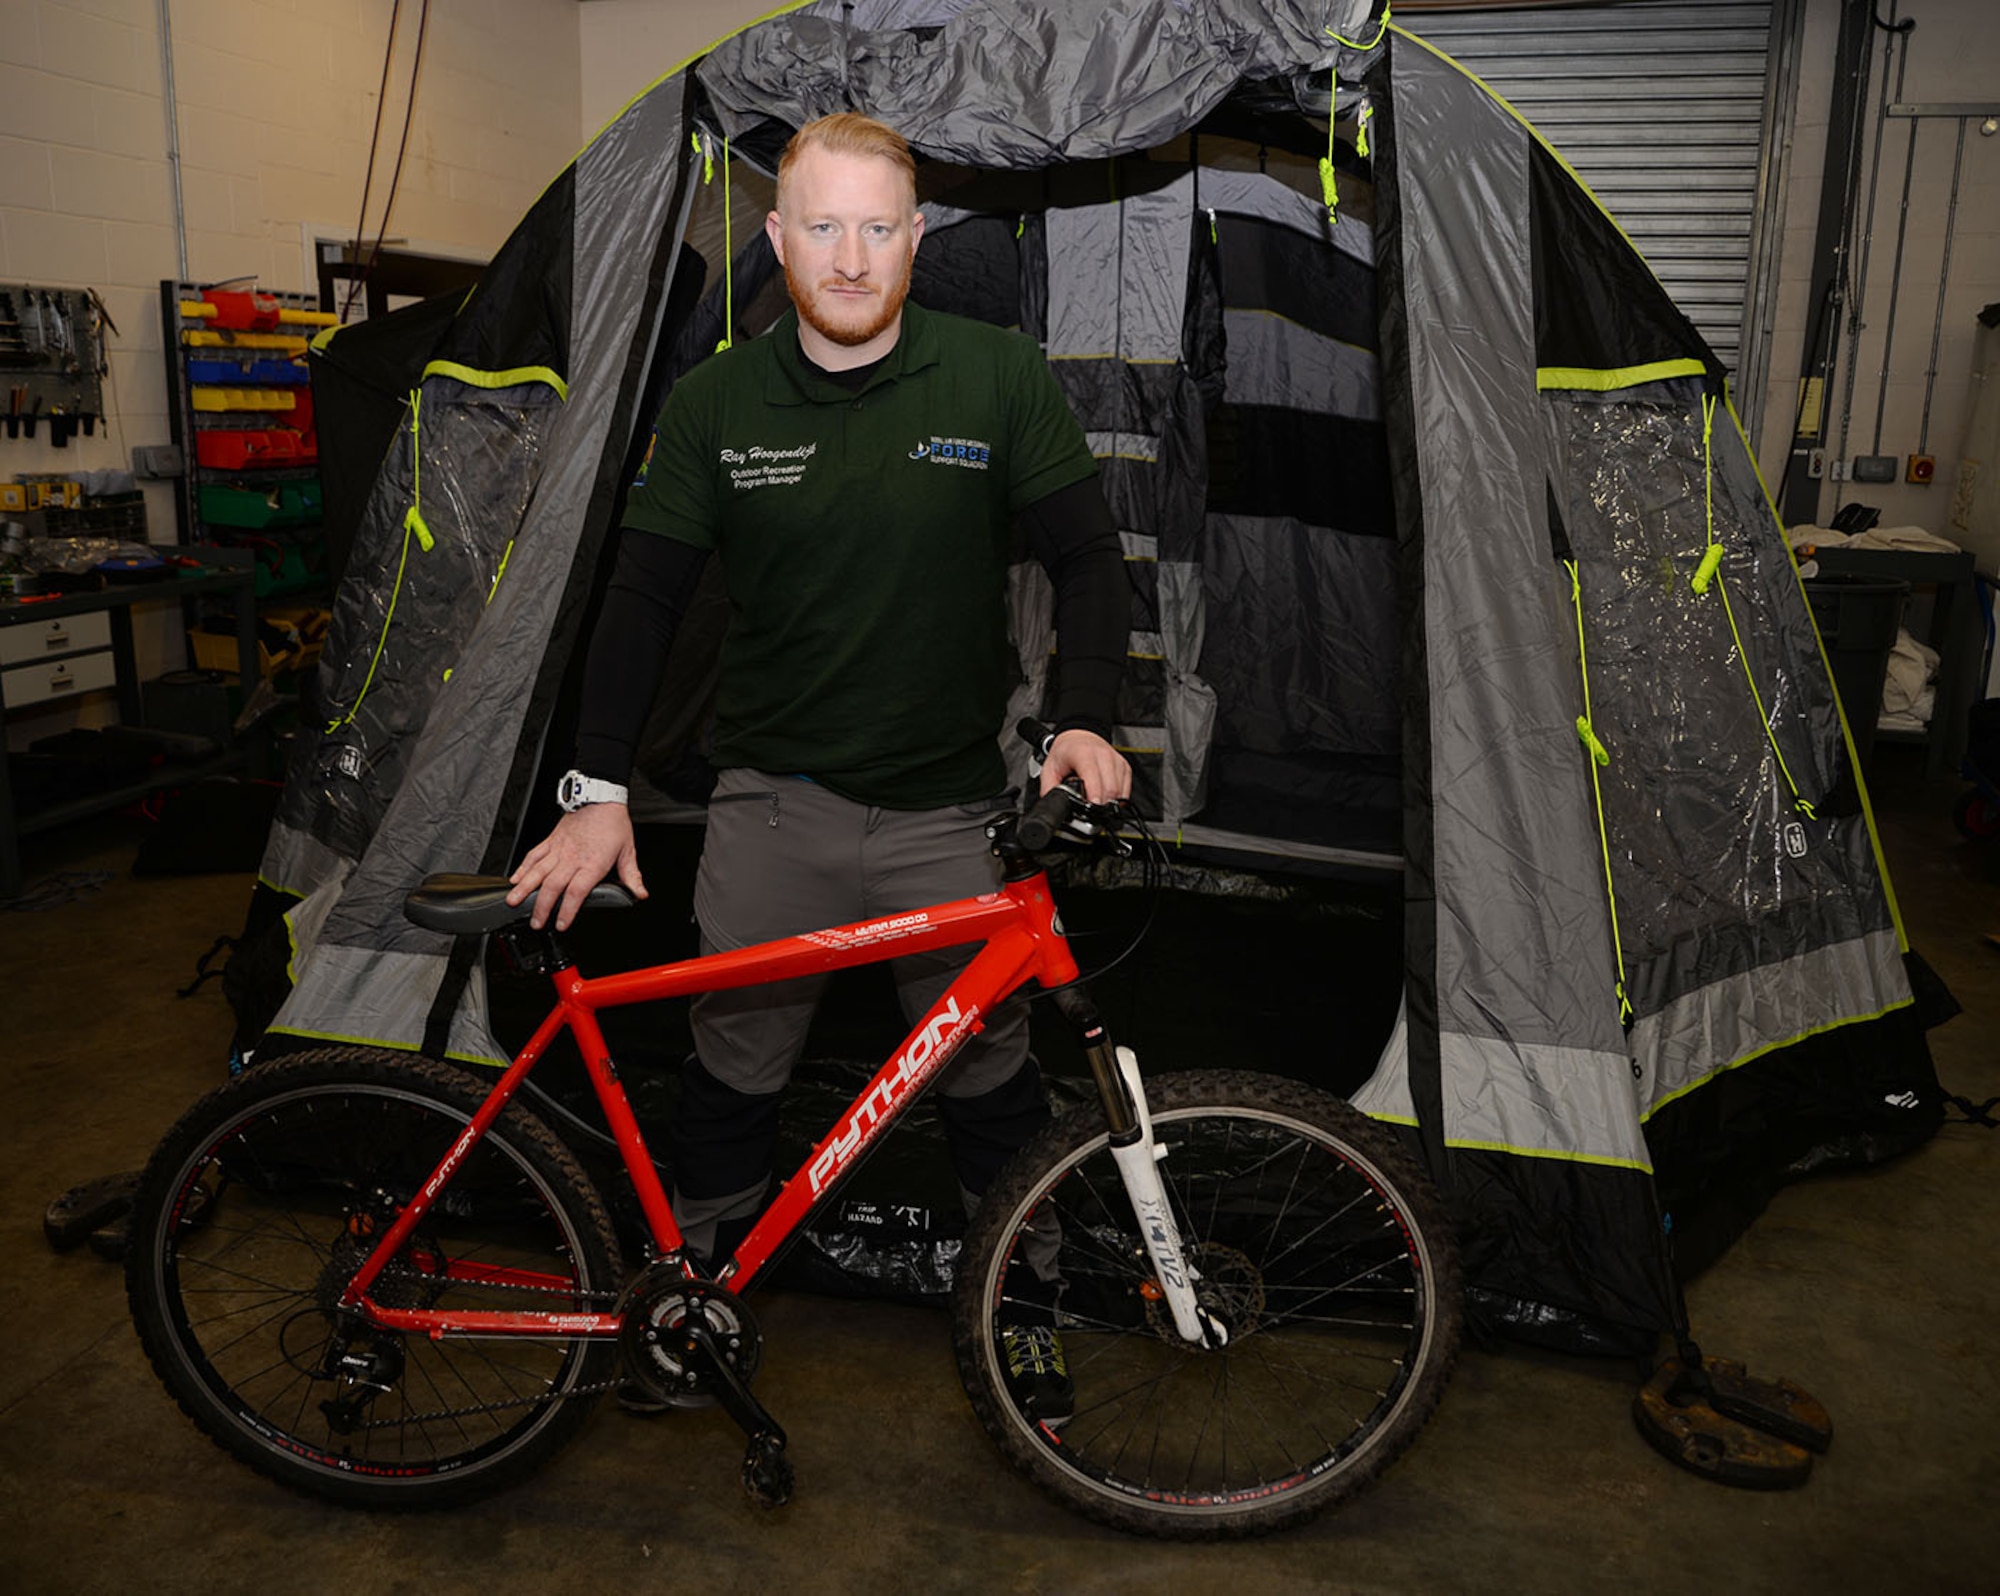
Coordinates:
380 1279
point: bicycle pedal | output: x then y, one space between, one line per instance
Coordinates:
768 1475
84 1208
1708 1442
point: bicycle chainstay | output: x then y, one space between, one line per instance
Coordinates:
398 1271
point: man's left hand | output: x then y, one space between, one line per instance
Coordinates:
1105 775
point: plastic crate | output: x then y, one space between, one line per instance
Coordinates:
118 516
218 371
284 504
248 448
243 399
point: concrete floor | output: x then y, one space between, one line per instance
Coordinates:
1877 1291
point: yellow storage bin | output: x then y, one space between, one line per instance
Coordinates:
243 399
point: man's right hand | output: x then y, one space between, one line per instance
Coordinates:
585 847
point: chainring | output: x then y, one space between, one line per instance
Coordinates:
654 1307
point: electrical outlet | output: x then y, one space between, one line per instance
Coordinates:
1815 464
1836 470
1921 469
1874 468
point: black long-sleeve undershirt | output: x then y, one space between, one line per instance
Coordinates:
1069 532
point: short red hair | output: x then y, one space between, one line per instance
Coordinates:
849 133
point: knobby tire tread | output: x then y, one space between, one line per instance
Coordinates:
1024 1177
331 1068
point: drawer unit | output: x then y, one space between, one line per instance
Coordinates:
66 634
47 680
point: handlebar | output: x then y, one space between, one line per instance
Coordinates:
1046 816
1062 810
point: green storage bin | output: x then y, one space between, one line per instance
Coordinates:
283 504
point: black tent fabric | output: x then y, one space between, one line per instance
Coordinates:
361 391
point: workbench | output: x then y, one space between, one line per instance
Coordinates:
85 644
1954 631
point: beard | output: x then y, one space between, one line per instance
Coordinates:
848 323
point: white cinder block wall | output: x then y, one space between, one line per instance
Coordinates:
276 101
628 44
1953 58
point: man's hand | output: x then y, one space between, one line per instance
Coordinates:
583 849
1106 777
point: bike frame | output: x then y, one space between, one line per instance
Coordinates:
1023 940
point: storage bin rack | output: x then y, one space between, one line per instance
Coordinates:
241 406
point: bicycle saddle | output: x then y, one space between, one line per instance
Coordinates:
465 905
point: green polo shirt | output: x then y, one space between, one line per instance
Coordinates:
864 541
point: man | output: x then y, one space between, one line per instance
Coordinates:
857 472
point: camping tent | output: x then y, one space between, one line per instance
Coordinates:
1448 557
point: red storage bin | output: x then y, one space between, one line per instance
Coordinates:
238 449
243 312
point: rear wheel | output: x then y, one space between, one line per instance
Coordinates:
254 1214
1320 1247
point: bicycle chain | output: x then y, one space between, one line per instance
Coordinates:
439 1414
395 1271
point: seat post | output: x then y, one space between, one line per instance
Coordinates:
527 951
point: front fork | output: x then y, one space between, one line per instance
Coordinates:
1138 1157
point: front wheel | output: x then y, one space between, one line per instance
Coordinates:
255 1212
1320 1247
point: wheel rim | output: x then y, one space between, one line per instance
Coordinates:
256 1244
1310 1261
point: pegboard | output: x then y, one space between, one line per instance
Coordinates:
52 362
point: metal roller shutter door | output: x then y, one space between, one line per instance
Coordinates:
1659 105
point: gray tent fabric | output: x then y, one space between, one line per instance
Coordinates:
509 484
1528 1026
1025 85
1413 497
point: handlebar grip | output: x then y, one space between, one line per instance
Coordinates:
1035 735
1045 817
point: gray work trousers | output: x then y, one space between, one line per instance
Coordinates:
784 856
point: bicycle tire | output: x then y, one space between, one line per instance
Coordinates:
241 1244
1319 1242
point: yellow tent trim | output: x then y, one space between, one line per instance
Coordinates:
775 11
1772 1047
1847 734
394 1047
1592 380
512 377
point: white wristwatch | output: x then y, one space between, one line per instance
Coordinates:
576 790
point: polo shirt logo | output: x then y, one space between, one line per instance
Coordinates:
759 467
970 453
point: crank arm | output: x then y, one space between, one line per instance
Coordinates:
767 1473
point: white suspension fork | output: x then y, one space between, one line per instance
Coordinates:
1139 1165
